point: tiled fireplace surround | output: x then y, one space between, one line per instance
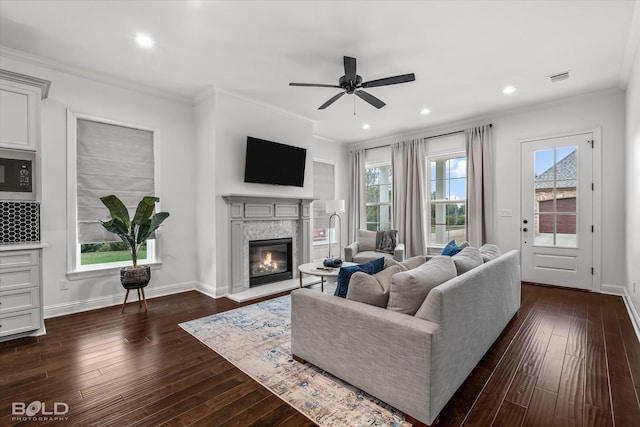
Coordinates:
263 217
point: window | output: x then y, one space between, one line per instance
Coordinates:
323 190
105 158
447 203
378 197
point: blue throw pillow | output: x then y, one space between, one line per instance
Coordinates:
451 249
344 275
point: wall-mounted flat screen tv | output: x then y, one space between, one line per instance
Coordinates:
273 163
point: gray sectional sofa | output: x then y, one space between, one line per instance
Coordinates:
414 362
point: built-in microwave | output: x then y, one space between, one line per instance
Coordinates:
17 175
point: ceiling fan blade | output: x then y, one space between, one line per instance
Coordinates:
313 85
370 99
331 101
404 78
350 69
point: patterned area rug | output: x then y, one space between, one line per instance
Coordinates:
257 339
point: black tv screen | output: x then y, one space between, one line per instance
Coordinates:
273 163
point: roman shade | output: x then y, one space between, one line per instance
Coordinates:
111 159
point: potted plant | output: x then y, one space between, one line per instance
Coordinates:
133 232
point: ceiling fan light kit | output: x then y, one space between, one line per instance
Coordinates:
352 84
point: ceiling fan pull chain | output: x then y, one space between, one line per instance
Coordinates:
354 105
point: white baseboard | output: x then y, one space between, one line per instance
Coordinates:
622 291
612 289
210 291
633 313
63 309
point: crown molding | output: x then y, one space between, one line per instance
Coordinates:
91 75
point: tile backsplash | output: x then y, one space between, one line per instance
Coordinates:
20 222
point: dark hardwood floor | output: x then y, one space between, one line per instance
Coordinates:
568 358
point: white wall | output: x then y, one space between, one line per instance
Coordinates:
337 154
205 121
235 120
632 248
175 120
580 113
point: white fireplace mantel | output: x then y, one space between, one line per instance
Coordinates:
254 217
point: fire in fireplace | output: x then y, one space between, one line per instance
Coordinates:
269 261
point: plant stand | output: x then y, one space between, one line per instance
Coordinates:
138 279
140 290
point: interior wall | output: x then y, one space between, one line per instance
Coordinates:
206 247
580 113
632 248
175 121
236 119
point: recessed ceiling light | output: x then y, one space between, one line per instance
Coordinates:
144 40
366 126
424 111
509 90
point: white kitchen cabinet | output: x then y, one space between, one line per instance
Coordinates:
20 98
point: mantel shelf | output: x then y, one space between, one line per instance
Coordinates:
232 197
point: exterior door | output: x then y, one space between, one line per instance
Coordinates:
557 205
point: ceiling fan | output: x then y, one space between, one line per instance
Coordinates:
352 83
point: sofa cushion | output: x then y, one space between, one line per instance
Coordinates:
489 252
467 259
410 288
407 264
366 240
386 240
366 256
371 289
344 275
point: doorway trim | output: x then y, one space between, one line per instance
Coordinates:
596 282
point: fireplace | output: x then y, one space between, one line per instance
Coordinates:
270 261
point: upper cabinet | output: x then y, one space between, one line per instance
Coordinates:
20 97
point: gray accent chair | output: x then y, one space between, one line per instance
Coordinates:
364 249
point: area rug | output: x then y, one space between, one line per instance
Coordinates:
257 339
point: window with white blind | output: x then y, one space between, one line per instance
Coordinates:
323 190
107 157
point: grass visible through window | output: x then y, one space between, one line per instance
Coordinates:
101 253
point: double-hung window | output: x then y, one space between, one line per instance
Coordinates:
378 190
447 201
104 158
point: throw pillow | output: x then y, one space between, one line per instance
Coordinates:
371 289
386 241
467 259
451 249
407 264
410 288
489 252
366 240
344 275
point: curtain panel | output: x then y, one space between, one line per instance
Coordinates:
480 185
408 164
356 205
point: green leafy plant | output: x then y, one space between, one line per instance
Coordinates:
133 232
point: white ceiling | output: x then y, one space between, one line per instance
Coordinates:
462 52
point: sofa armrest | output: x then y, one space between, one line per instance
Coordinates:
398 252
350 251
384 353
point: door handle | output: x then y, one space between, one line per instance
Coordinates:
525 229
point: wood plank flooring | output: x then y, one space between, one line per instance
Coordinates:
568 358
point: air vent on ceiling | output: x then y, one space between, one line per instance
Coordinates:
555 78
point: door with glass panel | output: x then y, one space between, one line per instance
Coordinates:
557 203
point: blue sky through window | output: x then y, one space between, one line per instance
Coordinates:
544 158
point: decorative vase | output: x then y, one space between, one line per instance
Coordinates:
135 278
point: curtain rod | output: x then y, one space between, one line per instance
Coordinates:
426 137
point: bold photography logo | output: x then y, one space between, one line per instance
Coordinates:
39 411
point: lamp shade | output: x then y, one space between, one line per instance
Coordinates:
336 206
